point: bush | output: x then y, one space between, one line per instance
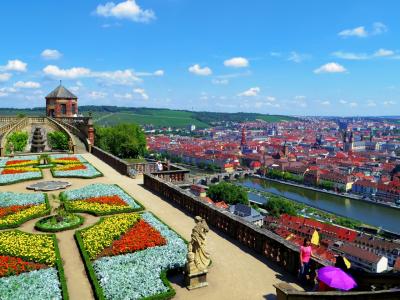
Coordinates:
228 192
278 206
58 140
19 139
122 140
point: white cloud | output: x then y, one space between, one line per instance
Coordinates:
300 97
6 91
331 67
5 76
15 65
350 55
196 69
275 54
142 93
27 84
297 57
371 103
97 95
383 53
325 103
155 73
51 54
353 104
363 56
358 31
236 62
377 28
342 101
251 92
124 96
71 73
271 99
129 10
387 103
220 81
124 77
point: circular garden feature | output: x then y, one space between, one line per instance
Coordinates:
56 223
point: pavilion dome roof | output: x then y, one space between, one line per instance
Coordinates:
61 92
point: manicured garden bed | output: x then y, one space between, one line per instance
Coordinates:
18 161
50 224
99 199
76 170
17 208
30 267
128 255
11 175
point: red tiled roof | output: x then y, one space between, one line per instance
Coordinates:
360 253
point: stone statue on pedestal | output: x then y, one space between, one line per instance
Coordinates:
11 145
70 146
198 259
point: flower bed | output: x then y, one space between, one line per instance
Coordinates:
49 224
19 161
31 267
100 199
18 174
63 159
154 248
17 208
79 170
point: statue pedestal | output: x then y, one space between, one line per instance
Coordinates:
196 280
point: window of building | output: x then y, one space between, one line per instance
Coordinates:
64 109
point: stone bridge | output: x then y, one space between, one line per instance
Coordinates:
214 178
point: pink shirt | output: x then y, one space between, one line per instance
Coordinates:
305 253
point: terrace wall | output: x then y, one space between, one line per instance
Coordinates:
261 241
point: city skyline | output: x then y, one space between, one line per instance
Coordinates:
267 56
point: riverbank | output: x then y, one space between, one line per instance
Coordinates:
311 188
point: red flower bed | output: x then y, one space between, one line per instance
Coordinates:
110 200
75 167
16 162
14 265
5 211
12 171
141 236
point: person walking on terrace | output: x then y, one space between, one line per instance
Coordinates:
305 256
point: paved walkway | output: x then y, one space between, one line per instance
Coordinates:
236 273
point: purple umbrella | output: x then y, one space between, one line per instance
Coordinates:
336 278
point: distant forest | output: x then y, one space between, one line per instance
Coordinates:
158 117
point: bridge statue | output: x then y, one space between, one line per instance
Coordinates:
11 147
198 259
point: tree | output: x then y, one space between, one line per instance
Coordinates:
228 192
19 139
278 206
122 140
58 140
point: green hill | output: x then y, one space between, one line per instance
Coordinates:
158 117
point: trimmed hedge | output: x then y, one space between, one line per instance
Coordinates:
39 226
98 291
38 215
60 269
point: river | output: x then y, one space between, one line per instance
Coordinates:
379 216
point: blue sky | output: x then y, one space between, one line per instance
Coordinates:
280 57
